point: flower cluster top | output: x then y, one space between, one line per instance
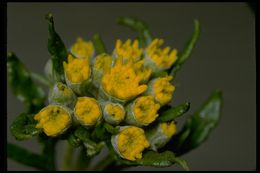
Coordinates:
121 88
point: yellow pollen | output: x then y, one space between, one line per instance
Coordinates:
128 50
77 69
82 49
122 82
115 111
132 142
87 110
145 109
168 128
163 58
53 120
163 89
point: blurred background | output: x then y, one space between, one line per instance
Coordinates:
224 58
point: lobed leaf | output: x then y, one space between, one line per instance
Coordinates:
22 84
23 127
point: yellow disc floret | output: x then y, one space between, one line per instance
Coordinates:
131 143
163 89
53 120
163 58
77 69
103 62
82 49
128 50
168 128
145 72
122 81
87 110
145 109
115 111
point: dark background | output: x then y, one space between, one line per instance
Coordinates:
224 58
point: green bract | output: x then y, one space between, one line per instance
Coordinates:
102 104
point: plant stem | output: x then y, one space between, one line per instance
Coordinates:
103 164
82 161
68 157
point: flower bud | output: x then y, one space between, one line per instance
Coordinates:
77 74
62 94
159 59
54 119
160 134
102 63
83 49
113 113
130 142
87 111
142 111
161 89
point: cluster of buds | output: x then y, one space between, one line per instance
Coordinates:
121 89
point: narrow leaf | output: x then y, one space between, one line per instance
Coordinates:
185 54
57 50
23 127
22 84
98 44
139 26
175 112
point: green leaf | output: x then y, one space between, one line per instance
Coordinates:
185 54
23 127
175 112
98 44
22 85
57 50
199 126
139 26
165 159
92 147
26 157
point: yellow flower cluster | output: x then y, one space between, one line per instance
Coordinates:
125 76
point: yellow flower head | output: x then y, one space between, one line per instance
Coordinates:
76 70
145 109
87 111
131 142
168 128
82 49
117 112
122 81
103 62
163 89
53 119
128 50
163 58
